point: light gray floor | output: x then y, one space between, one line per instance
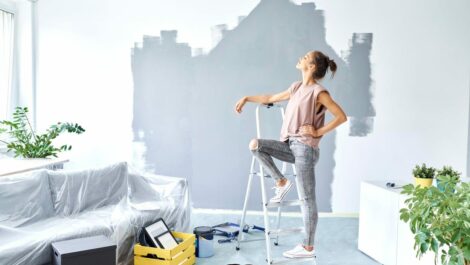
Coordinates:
335 243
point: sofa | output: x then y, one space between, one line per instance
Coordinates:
45 206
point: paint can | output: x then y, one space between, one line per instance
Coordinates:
204 241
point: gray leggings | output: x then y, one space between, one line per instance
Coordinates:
305 158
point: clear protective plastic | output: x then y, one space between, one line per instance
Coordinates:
40 207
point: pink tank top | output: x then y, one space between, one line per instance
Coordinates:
300 110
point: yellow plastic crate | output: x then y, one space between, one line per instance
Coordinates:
183 254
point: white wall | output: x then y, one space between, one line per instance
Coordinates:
420 66
85 63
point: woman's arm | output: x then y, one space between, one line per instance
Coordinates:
340 117
264 99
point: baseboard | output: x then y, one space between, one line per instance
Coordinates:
273 213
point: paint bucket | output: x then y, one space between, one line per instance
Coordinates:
204 241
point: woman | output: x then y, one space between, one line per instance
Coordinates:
301 131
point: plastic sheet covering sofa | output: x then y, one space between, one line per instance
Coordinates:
44 206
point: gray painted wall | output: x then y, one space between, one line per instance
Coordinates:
184 106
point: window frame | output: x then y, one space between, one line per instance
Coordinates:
11 7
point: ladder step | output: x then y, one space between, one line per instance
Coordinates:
283 231
284 203
259 175
290 261
269 176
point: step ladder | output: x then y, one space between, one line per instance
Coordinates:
268 232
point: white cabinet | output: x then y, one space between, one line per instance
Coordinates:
382 235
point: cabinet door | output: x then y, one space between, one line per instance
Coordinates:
378 218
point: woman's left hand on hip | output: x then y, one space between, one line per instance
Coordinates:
308 130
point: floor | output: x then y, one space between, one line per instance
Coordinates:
335 243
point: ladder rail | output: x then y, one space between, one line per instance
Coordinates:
245 204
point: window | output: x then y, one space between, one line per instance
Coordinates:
6 60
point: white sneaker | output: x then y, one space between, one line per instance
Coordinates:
281 192
299 252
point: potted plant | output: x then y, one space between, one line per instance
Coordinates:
423 175
25 142
440 219
446 171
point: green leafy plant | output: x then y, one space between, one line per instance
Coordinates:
27 143
424 172
440 219
446 171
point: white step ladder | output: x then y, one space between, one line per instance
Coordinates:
266 205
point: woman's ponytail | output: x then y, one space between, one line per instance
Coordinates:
333 67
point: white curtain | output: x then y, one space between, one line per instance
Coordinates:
6 61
